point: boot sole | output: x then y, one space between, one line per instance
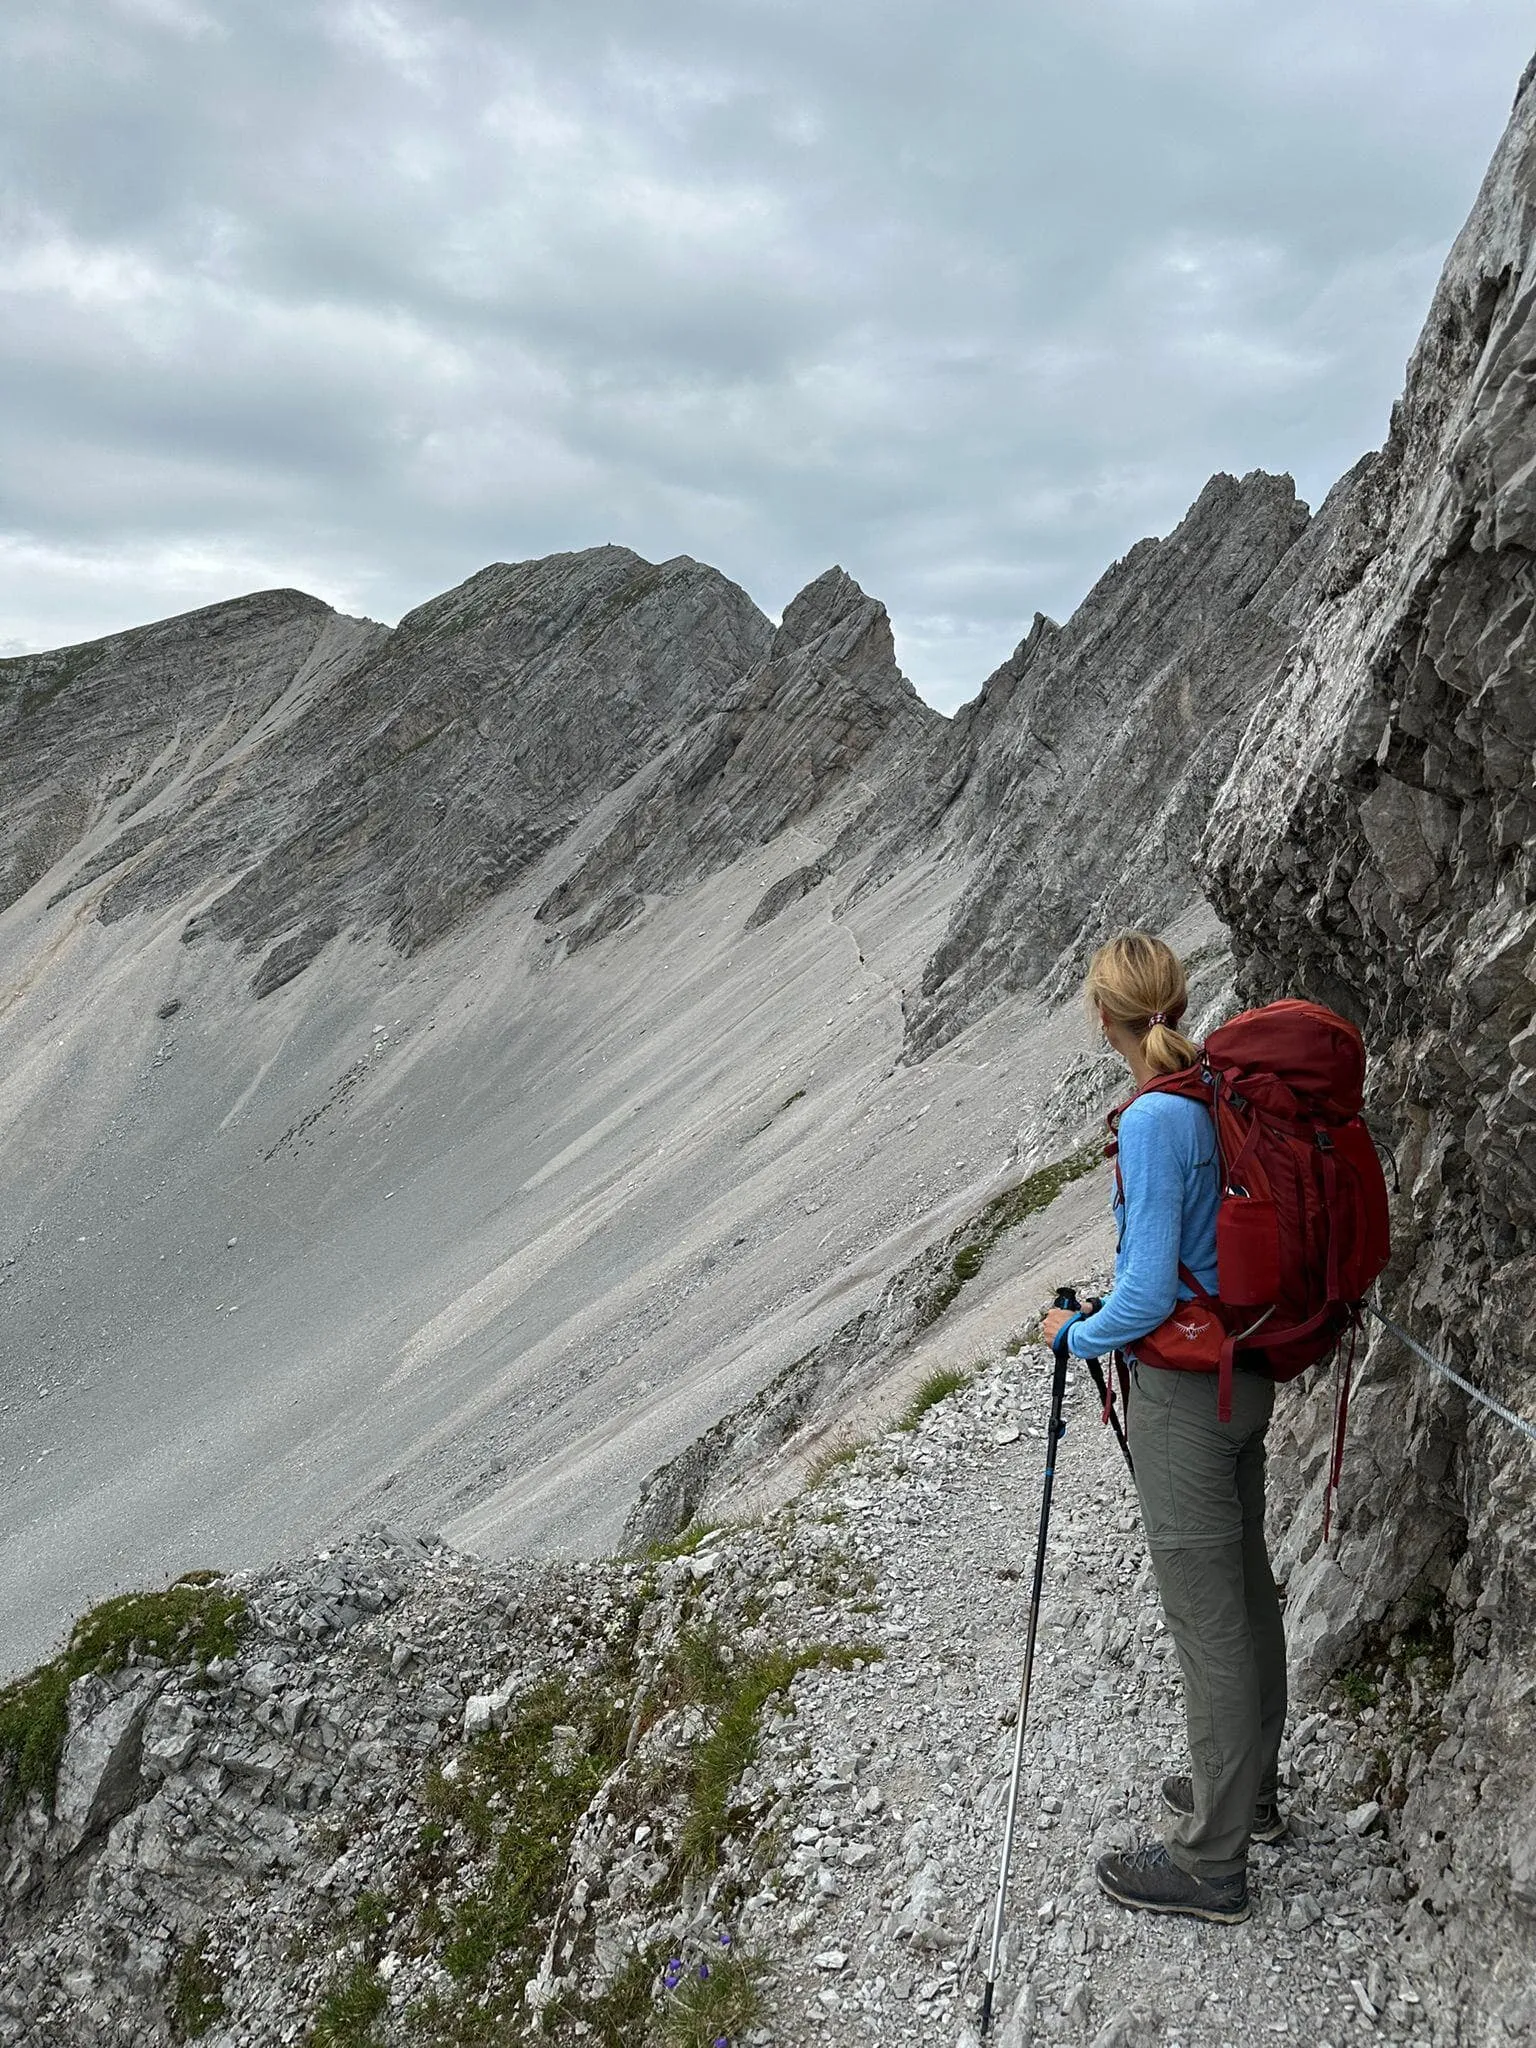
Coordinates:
1275 1832
1222 1916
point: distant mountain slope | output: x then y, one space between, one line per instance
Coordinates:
109 746
403 778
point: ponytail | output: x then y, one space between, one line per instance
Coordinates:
1139 982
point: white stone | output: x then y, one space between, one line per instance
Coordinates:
99 1770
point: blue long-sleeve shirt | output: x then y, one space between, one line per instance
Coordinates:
1172 1186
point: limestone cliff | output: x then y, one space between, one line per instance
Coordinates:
1373 846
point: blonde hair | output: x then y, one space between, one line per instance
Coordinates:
1137 981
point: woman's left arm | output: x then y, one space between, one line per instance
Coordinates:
1152 1171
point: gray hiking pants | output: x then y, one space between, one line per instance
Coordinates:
1201 1484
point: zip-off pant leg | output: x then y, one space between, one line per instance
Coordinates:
1201 1484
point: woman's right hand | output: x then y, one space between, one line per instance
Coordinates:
1055 1322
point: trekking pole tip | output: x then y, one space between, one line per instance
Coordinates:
986 2008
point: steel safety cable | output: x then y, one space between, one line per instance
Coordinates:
1449 1372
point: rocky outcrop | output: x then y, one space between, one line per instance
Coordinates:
827 701
1091 756
1373 846
426 1797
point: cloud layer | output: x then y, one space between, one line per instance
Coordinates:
361 294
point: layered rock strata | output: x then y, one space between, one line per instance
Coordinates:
827 701
1373 847
381 779
1071 793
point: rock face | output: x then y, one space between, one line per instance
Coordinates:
1072 792
1091 757
1374 847
99 1770
827 700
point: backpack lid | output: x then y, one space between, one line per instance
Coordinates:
1292 1058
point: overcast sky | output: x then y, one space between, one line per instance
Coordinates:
966 295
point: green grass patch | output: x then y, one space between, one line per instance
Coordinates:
371 1913
1359 1689
197 1991
829 1459
738 1690
1003 1213
684 1544
622 2016
519 1795
937 1387
350 2011
1017 1204
189 1623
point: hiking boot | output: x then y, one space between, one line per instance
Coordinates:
1269 1823
1149 1881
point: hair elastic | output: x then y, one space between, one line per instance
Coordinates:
1157 1017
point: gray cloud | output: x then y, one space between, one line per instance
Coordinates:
362 294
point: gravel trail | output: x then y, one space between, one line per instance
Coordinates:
909 1759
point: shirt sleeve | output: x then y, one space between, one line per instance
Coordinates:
1147 1269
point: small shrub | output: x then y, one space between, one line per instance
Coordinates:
197 1992
190 1623
967 1262
351 2009
1360 1689
936 1388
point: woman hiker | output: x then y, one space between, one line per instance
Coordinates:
1200 1481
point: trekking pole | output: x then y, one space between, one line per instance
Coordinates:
1065 1298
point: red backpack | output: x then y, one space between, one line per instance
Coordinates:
1302 1227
